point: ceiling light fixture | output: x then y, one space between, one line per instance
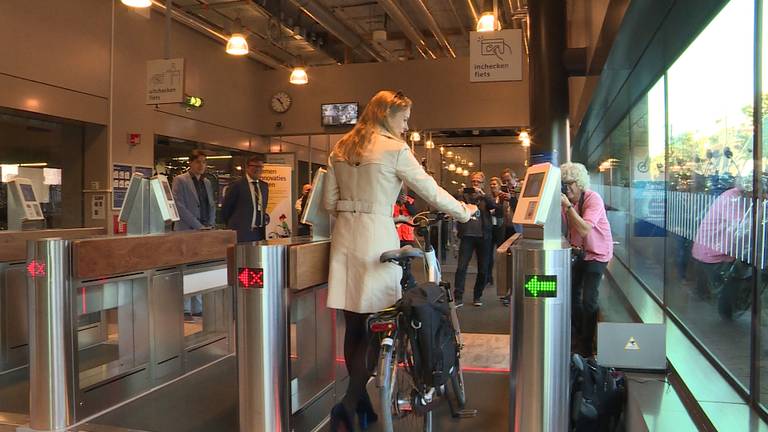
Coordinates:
488 22
452 167
466 172
299 76
415 136
137 3
429 144
237 45
449 154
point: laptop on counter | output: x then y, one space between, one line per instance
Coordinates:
634 346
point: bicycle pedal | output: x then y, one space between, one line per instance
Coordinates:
466 413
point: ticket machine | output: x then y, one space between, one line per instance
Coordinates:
536 269
149 207
24 212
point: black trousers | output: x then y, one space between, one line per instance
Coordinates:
585 281
496 241
355 353
468 245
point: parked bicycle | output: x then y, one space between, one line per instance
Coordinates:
410 387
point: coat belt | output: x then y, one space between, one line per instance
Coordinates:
363 207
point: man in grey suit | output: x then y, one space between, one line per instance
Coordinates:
245 203
193 194
197 210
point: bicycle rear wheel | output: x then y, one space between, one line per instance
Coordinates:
457 383
398 396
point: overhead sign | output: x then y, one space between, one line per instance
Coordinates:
496 56
165 81
540 286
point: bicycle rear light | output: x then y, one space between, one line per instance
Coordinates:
382 326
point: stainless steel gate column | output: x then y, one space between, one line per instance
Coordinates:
262 342
540 339
50 337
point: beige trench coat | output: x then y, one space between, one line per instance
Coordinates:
362 198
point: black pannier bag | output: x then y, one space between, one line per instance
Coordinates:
433 340
598 395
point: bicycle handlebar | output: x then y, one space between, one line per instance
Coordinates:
423 216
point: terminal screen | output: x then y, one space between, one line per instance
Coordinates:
28 192
533 185
167 190
538 286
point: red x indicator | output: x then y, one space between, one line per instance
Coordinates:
251 277
35 268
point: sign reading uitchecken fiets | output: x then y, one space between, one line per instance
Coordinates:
496 56
165 81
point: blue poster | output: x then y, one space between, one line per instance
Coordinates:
649 211
121 176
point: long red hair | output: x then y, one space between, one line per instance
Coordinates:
385 103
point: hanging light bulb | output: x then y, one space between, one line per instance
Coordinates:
299 76
442 149
452 167
488 22
429 144
415 136
471 164
137 3
466 172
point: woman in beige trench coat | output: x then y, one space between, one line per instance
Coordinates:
366 170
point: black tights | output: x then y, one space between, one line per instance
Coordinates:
355 351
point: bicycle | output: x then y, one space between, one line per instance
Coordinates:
403 394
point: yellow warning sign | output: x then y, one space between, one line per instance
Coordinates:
631 344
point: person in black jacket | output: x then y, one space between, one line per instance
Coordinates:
476 236
245 204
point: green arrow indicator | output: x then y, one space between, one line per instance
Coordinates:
540 286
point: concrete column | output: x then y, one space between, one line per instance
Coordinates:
548 78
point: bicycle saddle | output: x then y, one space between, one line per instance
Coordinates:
402 254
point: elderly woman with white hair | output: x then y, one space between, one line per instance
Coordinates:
589 234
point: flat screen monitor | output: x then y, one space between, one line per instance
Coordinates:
533 185
339 114
28 192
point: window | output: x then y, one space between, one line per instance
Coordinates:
709 177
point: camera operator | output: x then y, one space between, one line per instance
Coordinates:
589 234
510 190
475 237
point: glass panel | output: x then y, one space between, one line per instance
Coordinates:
206 310
709 199
311 341
112 335
50 155
762 245
614 169
647 224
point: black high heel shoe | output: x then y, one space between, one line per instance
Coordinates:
365 413
340 419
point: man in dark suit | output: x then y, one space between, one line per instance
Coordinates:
245 203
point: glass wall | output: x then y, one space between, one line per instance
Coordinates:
647 218
50 154
677 178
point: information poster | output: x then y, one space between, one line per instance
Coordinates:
121 176
279 205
